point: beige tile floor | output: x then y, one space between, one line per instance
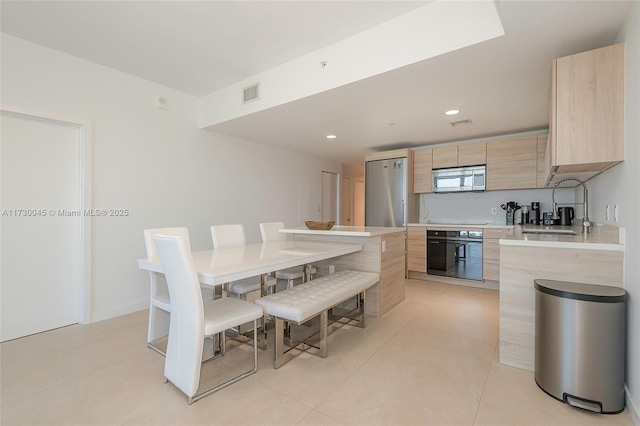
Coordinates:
430 361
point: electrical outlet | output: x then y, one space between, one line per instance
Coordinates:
615 213
332 269
606 213
494 210
384 246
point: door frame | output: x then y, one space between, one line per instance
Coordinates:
349 205
338 194
84 177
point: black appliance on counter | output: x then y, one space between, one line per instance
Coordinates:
524 215
548 220
534 213
456 254
566 215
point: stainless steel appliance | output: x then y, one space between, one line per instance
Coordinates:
459 179
580 339
386 192
456 254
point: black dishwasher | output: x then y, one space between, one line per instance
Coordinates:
456 254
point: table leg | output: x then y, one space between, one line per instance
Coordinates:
262 337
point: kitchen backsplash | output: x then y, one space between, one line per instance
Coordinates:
476 206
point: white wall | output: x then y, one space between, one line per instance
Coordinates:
156 163
619 185
476 206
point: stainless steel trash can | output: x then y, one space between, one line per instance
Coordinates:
580 344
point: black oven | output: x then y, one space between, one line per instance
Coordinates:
456 254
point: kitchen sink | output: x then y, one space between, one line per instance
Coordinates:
548 231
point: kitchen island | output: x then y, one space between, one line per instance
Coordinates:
383 251
594 258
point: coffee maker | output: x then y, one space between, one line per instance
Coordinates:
534 213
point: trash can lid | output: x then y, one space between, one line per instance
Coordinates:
582 291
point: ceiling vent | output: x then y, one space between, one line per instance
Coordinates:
251 93
460 123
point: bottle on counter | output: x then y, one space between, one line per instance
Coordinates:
524 215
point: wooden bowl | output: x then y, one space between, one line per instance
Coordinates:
319 226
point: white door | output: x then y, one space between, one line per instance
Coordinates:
40 229
345 202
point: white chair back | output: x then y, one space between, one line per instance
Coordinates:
186 330
270 231
159 293
173 232
227 236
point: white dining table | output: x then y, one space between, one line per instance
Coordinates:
223 265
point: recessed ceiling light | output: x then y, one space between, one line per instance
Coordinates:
452 112
331 136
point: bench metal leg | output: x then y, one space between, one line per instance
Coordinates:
282 356
361 303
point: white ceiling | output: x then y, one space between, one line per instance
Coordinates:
199 47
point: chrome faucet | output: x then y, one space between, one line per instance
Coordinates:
586 224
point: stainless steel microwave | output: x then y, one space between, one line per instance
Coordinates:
459 179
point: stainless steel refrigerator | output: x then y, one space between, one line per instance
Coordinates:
386 192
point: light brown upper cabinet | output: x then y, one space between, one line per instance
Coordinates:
460 155
472 154
445 157
587 112
512 164
422 166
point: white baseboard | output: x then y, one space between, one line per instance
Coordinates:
632 407
99 316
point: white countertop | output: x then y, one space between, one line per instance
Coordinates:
473 225
601 237
349 231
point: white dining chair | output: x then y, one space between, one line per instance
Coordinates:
270 231
192 320
233 236
159 300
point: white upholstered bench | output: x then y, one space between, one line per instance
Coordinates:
311 299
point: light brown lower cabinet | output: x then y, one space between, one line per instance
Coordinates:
491 252
417 249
